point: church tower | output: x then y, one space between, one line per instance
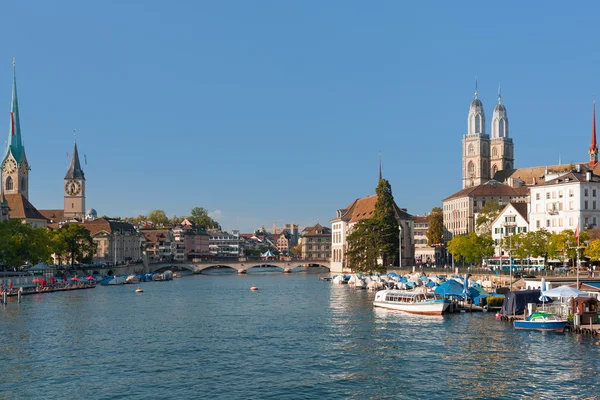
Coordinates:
75 189
502 157
593 147
475 147
15 169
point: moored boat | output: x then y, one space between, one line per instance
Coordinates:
541 321
411 301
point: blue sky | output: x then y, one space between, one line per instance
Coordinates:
263 111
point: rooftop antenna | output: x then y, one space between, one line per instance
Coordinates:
559 159
476 89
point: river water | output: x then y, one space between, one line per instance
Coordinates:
295 338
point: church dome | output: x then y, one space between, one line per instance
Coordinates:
91 214
500 108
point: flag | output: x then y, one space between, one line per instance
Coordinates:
577 233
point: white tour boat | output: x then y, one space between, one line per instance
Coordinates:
411 301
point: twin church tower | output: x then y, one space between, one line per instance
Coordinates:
15 172
483 156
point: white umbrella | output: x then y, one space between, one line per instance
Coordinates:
564 291
543 297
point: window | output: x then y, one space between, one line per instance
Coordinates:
495 152
585 205
474 203
547 223
9 183
570 206
524 229
594 192
570 192
560 195
471 150
585 192
548 196
471 169
594 205
537 224
537 196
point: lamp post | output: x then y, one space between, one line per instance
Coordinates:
400 245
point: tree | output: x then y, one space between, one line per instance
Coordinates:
471 248
21 244
297 250
176 220
73 242
158 217
386 224
201 218
435 233
593 250
489 212
362 253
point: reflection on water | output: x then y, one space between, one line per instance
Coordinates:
297 337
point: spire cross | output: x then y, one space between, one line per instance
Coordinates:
75 135
476 89
499 93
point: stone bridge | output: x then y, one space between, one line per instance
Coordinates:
243 266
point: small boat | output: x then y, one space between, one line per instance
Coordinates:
541 321
138 290
253 287
411 301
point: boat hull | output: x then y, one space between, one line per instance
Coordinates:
423 308
550 326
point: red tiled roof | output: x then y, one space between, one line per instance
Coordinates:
490 189
20 208
53 215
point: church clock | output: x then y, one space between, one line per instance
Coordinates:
72 187
9 166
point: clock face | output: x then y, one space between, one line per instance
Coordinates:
24 167
72 187
9 166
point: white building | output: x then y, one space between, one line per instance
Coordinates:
360 209
224 244
511 220
569 201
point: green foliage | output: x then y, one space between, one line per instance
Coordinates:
200 217
471 248
21 244
377 237
486 216
593 250
435 233
296 250
362 250
158 217
73 243
386 224
563 245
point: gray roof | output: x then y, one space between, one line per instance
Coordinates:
75 171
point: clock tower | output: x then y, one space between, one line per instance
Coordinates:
74 189
14 168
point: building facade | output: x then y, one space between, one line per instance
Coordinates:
315 242
225 244
570 201
117 242
512 219
425 254
359 209
482 156
461 209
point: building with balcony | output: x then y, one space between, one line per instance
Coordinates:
225 244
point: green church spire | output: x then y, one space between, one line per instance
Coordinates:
14 144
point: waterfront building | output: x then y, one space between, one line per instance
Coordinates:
461 208
482 156
225 244
511 220
359 209
116 241
189 242
283 242
158 244
315 242
14 175
423 252
570 201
